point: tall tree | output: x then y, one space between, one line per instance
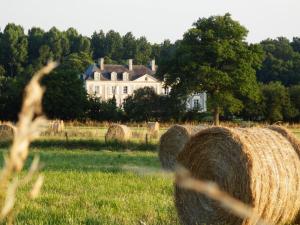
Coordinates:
142 105
129 46
35 41
57 42
98 44
276 103
113 45
281 62
77 43
144 51
214 57
14 47
294 93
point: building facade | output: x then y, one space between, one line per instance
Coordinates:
107 80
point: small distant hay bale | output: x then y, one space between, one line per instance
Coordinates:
7 132
258 166
117 132
62 126
56 126
153 129
172 142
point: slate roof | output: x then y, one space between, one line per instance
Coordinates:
137 71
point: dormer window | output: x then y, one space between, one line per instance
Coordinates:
113 76
125 76
96 76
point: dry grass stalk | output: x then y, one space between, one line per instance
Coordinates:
257 166
172 142
184 180
31 121
117 132
37 187
153 129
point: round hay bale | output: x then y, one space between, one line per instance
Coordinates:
118 132
258 166
172 142
7 132
289 135
61 126
56 126
153 129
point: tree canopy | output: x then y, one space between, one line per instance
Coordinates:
214 57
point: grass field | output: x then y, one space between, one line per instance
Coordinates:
85 183
90 182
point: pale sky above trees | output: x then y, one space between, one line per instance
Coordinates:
155 19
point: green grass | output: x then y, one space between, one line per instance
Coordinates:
98 187
88 181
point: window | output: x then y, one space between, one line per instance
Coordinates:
146 78
113 76
125 90
166 91
196 104
113 90
97 89
91 87
96 76
125 76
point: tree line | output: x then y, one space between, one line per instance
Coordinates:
20 50
258 82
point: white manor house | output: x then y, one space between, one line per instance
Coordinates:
106 80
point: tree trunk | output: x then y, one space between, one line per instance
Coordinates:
217 116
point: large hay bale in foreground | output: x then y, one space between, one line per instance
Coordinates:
118 132
7 132
153 129
172 142
258 166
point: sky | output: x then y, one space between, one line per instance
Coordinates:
155 19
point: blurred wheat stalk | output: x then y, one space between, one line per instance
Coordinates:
30 124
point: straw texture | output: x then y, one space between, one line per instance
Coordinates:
56 126
6 132
172 142
258 166
153 129
117 132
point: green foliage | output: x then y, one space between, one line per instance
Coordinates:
282 61
103 110
142 105
146 105
35 43
294 92
14 47
65 96
214 57
276 103
11 92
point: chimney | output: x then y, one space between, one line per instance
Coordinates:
130 64
101 63
153 65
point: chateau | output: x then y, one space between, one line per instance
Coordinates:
106 80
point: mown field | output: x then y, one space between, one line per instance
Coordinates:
90 182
